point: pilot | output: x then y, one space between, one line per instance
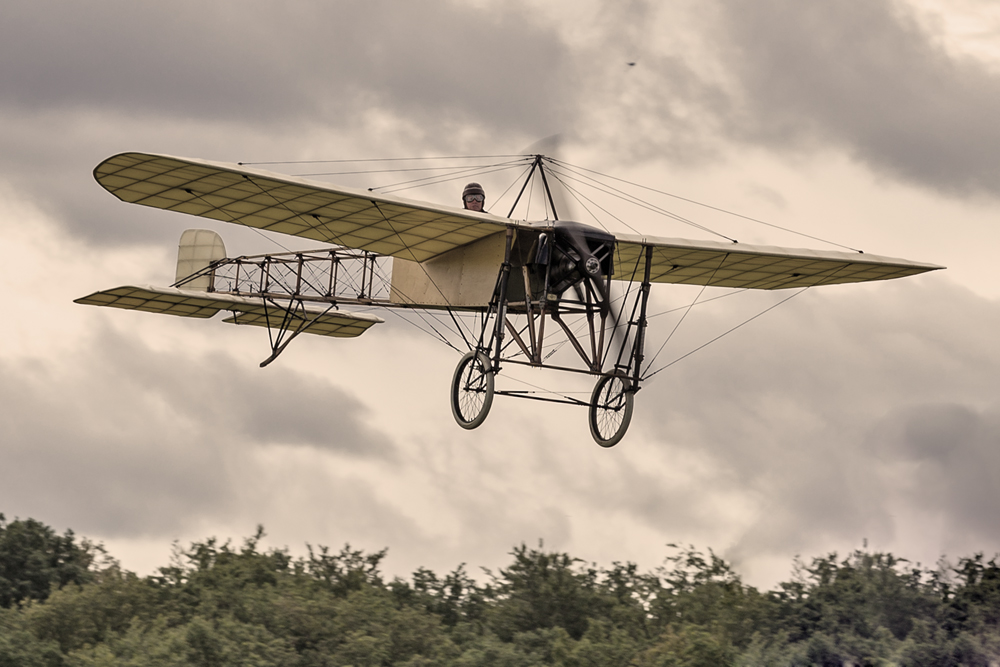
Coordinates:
473 197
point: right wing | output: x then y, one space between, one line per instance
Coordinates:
252 311
342 216
739 265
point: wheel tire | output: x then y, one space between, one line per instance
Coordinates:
611 409
472 390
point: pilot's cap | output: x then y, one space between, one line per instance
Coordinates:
473 189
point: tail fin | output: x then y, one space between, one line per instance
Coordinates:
197 249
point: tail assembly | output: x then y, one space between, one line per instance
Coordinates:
193 293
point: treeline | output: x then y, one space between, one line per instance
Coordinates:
63 601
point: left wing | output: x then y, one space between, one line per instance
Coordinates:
342 216
738 265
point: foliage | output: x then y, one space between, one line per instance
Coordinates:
216 603
34 561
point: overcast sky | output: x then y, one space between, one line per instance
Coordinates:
850 413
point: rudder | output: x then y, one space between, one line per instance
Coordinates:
197 249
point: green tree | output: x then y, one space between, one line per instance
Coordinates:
855 596
694 589
688 647
217 603
975 604
34 561
454 598
543 590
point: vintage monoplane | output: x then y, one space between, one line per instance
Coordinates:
516 277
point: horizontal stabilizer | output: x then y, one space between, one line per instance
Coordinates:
253 311
334 323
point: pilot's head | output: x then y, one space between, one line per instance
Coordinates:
473 197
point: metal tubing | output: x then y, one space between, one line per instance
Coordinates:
573 340
371 277
336 270
640 334
535 355
527 180
518 340
502 301
545 182
333 264
364 268
596 363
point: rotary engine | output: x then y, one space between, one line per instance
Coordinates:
570 253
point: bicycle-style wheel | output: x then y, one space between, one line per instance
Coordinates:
611 409
472 390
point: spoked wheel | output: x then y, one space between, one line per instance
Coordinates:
611 409
472 390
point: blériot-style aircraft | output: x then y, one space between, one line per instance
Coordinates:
519 278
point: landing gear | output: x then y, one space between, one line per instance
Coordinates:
472 390
563 274
611 409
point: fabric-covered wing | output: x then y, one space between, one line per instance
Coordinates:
342 216
185 303
754 267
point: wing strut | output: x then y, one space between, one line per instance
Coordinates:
534 165
537 163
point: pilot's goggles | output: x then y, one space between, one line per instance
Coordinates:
471 198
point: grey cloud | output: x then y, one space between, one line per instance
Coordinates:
53 172
633 487
950 456
802 414
784 409
239 80
274 64
261 406
773 425
68 454
665 110
663 107
137 442
793 76
865 77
